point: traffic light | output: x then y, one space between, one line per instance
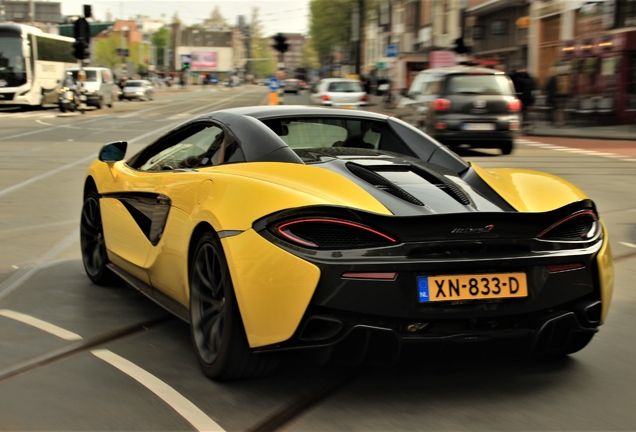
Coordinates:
80 49
280 43
185 65
460 47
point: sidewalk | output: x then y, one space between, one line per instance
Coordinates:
542 128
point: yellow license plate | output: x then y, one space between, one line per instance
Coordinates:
471 287
347 106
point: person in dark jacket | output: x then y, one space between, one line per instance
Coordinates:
551 96
524 87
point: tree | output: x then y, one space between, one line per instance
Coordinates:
329 26
106 51
309 57
260 48
161 41
216 19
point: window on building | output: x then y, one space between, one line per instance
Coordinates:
478 32
445 18
499 27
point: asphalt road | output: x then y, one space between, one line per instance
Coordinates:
80 357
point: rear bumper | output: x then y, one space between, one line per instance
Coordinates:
483 138
548 333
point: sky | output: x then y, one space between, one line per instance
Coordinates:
286 16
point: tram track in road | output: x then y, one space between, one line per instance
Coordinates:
77 346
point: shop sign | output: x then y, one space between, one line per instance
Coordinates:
523 22
442 59
552 8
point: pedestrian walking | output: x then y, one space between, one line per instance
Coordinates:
551 97
524 88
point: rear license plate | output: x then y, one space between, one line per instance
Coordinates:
346 106
478 126
82 97
471 287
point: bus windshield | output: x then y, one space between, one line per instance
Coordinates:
12 65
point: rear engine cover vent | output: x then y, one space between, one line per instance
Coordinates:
381 183
443 183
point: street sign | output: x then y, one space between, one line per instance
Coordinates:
380 65
391 50
123 52
274 84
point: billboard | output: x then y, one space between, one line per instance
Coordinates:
203 60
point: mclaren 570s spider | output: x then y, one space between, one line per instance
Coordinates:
272 229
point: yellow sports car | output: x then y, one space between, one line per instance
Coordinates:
281 228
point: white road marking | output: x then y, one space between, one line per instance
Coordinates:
45 124
19 277
42 325
189 411
574 150
45 175
197 418
631 245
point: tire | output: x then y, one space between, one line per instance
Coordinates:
62 108
506 147
216 326
99 104
92 243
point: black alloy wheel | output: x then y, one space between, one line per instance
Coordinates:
92 242
216 326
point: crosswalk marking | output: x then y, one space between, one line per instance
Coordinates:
574 150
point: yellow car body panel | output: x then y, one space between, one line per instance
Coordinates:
272 286
534 191
530 191
249 187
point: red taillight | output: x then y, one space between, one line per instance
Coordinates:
514 105
326 98
556 268
441 104
327 233
440 125
514 126
364 98
370 275
583 225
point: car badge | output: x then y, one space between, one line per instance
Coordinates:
3 83
479 104
483 230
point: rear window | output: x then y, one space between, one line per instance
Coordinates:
344 86
478 85
91 75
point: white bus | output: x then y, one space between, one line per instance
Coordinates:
32 63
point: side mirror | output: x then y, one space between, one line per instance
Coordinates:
113 152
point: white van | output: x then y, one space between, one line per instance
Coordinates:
99 87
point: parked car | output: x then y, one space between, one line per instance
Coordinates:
464 105
138 89
291 85
278 228
339 93
99 89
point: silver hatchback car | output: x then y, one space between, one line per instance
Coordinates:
339 93
138 89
